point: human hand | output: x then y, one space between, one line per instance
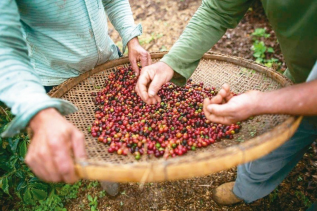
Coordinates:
136 54
152 78
228 109
53 143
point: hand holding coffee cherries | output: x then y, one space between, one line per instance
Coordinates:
225 108
152 78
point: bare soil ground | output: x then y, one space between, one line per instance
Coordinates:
163 22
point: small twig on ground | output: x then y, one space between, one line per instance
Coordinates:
204 185
150 46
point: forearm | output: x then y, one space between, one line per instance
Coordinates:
120 15
206 27
20 88
300 99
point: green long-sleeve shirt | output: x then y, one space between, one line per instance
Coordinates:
294 22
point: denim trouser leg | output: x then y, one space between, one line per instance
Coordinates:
260 177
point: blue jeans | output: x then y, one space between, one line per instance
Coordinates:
260 177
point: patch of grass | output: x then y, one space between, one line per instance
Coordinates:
260 50
102 194
17 181
93 202
154 36
93 184
301 196
260 32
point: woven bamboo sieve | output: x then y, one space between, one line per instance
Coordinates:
257 137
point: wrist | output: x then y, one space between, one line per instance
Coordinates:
41 116
166 68
134 41
257 103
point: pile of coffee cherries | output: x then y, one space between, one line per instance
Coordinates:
170 128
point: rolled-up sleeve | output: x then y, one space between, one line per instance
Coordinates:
120 14
20 88
206 27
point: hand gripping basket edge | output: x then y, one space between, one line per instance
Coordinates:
111 168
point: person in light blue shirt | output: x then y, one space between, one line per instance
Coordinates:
43 43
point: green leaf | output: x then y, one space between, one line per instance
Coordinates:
4 184
38 194
22 149
260 32
270 50
20 174
34 180
90 198
257 54
4 163
13 144
259 60
39 186
21 185
12 161
27 197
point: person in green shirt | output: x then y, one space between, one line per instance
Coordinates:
294 23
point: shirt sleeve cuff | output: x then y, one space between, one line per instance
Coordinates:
180 77
20 122
137 31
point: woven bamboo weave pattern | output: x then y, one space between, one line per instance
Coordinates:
213 70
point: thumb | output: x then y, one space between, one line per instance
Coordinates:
78 144
206 103
219 109
155 85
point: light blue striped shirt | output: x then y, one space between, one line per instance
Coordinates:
45 42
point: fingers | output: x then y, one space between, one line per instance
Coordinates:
39 159
32 161
226 87
219 119
145 59
50 151
220 110
218 99
207 101
135 66
149 59
158 99
61 151
228 95
219 113
223 96
141 87
78 144
155 86
149 95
